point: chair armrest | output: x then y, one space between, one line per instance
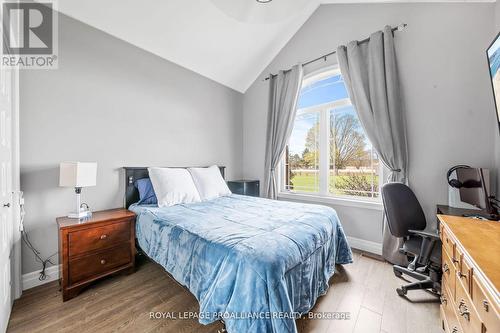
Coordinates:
424 234
429 240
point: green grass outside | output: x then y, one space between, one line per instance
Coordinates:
309 182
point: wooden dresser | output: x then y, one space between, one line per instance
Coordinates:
94 248
470 301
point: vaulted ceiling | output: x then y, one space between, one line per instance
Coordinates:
228 41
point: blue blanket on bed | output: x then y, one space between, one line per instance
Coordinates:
253 262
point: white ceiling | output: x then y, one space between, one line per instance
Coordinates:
231 47
228 41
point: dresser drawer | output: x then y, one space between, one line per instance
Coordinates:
464 271
98 238
93 265
449 275
449 245
485 307
445 325
448 312
466 312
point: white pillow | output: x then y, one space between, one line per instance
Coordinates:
173 186
209 182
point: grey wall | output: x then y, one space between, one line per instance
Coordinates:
115 104
445 80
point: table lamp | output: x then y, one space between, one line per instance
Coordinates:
78 175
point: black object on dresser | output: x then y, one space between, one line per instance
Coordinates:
245 187
474 213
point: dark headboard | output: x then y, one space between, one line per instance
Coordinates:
134 173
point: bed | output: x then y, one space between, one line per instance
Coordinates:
256 264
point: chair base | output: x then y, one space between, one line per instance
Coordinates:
430 281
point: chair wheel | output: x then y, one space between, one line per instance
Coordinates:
401 292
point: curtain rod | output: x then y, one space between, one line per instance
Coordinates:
400 27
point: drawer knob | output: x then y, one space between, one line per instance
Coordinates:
454 330
443 300
463 310
455 260
103 261
104 236
461 303
465 314
446 269
486 305
461 275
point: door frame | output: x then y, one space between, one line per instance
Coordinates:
16 267
15 195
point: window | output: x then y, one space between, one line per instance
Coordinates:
328 152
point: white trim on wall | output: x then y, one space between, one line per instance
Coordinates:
331 200
365 245
31 280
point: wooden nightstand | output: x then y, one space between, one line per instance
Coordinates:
94 248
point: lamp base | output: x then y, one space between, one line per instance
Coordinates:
80 215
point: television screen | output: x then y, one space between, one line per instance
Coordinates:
493 53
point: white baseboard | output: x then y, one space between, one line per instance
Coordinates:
31 280
365 245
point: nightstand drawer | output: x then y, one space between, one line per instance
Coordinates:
93 248
83 241
93 265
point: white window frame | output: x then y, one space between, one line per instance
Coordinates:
324 196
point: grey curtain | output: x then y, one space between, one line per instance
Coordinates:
370 74
284 93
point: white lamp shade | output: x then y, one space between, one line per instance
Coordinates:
77 174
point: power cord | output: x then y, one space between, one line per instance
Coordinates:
26 240
38 258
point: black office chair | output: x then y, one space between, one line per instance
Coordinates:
406 219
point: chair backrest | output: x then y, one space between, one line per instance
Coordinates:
402 209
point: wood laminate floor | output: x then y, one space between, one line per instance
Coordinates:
364 289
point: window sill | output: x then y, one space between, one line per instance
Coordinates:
366 204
